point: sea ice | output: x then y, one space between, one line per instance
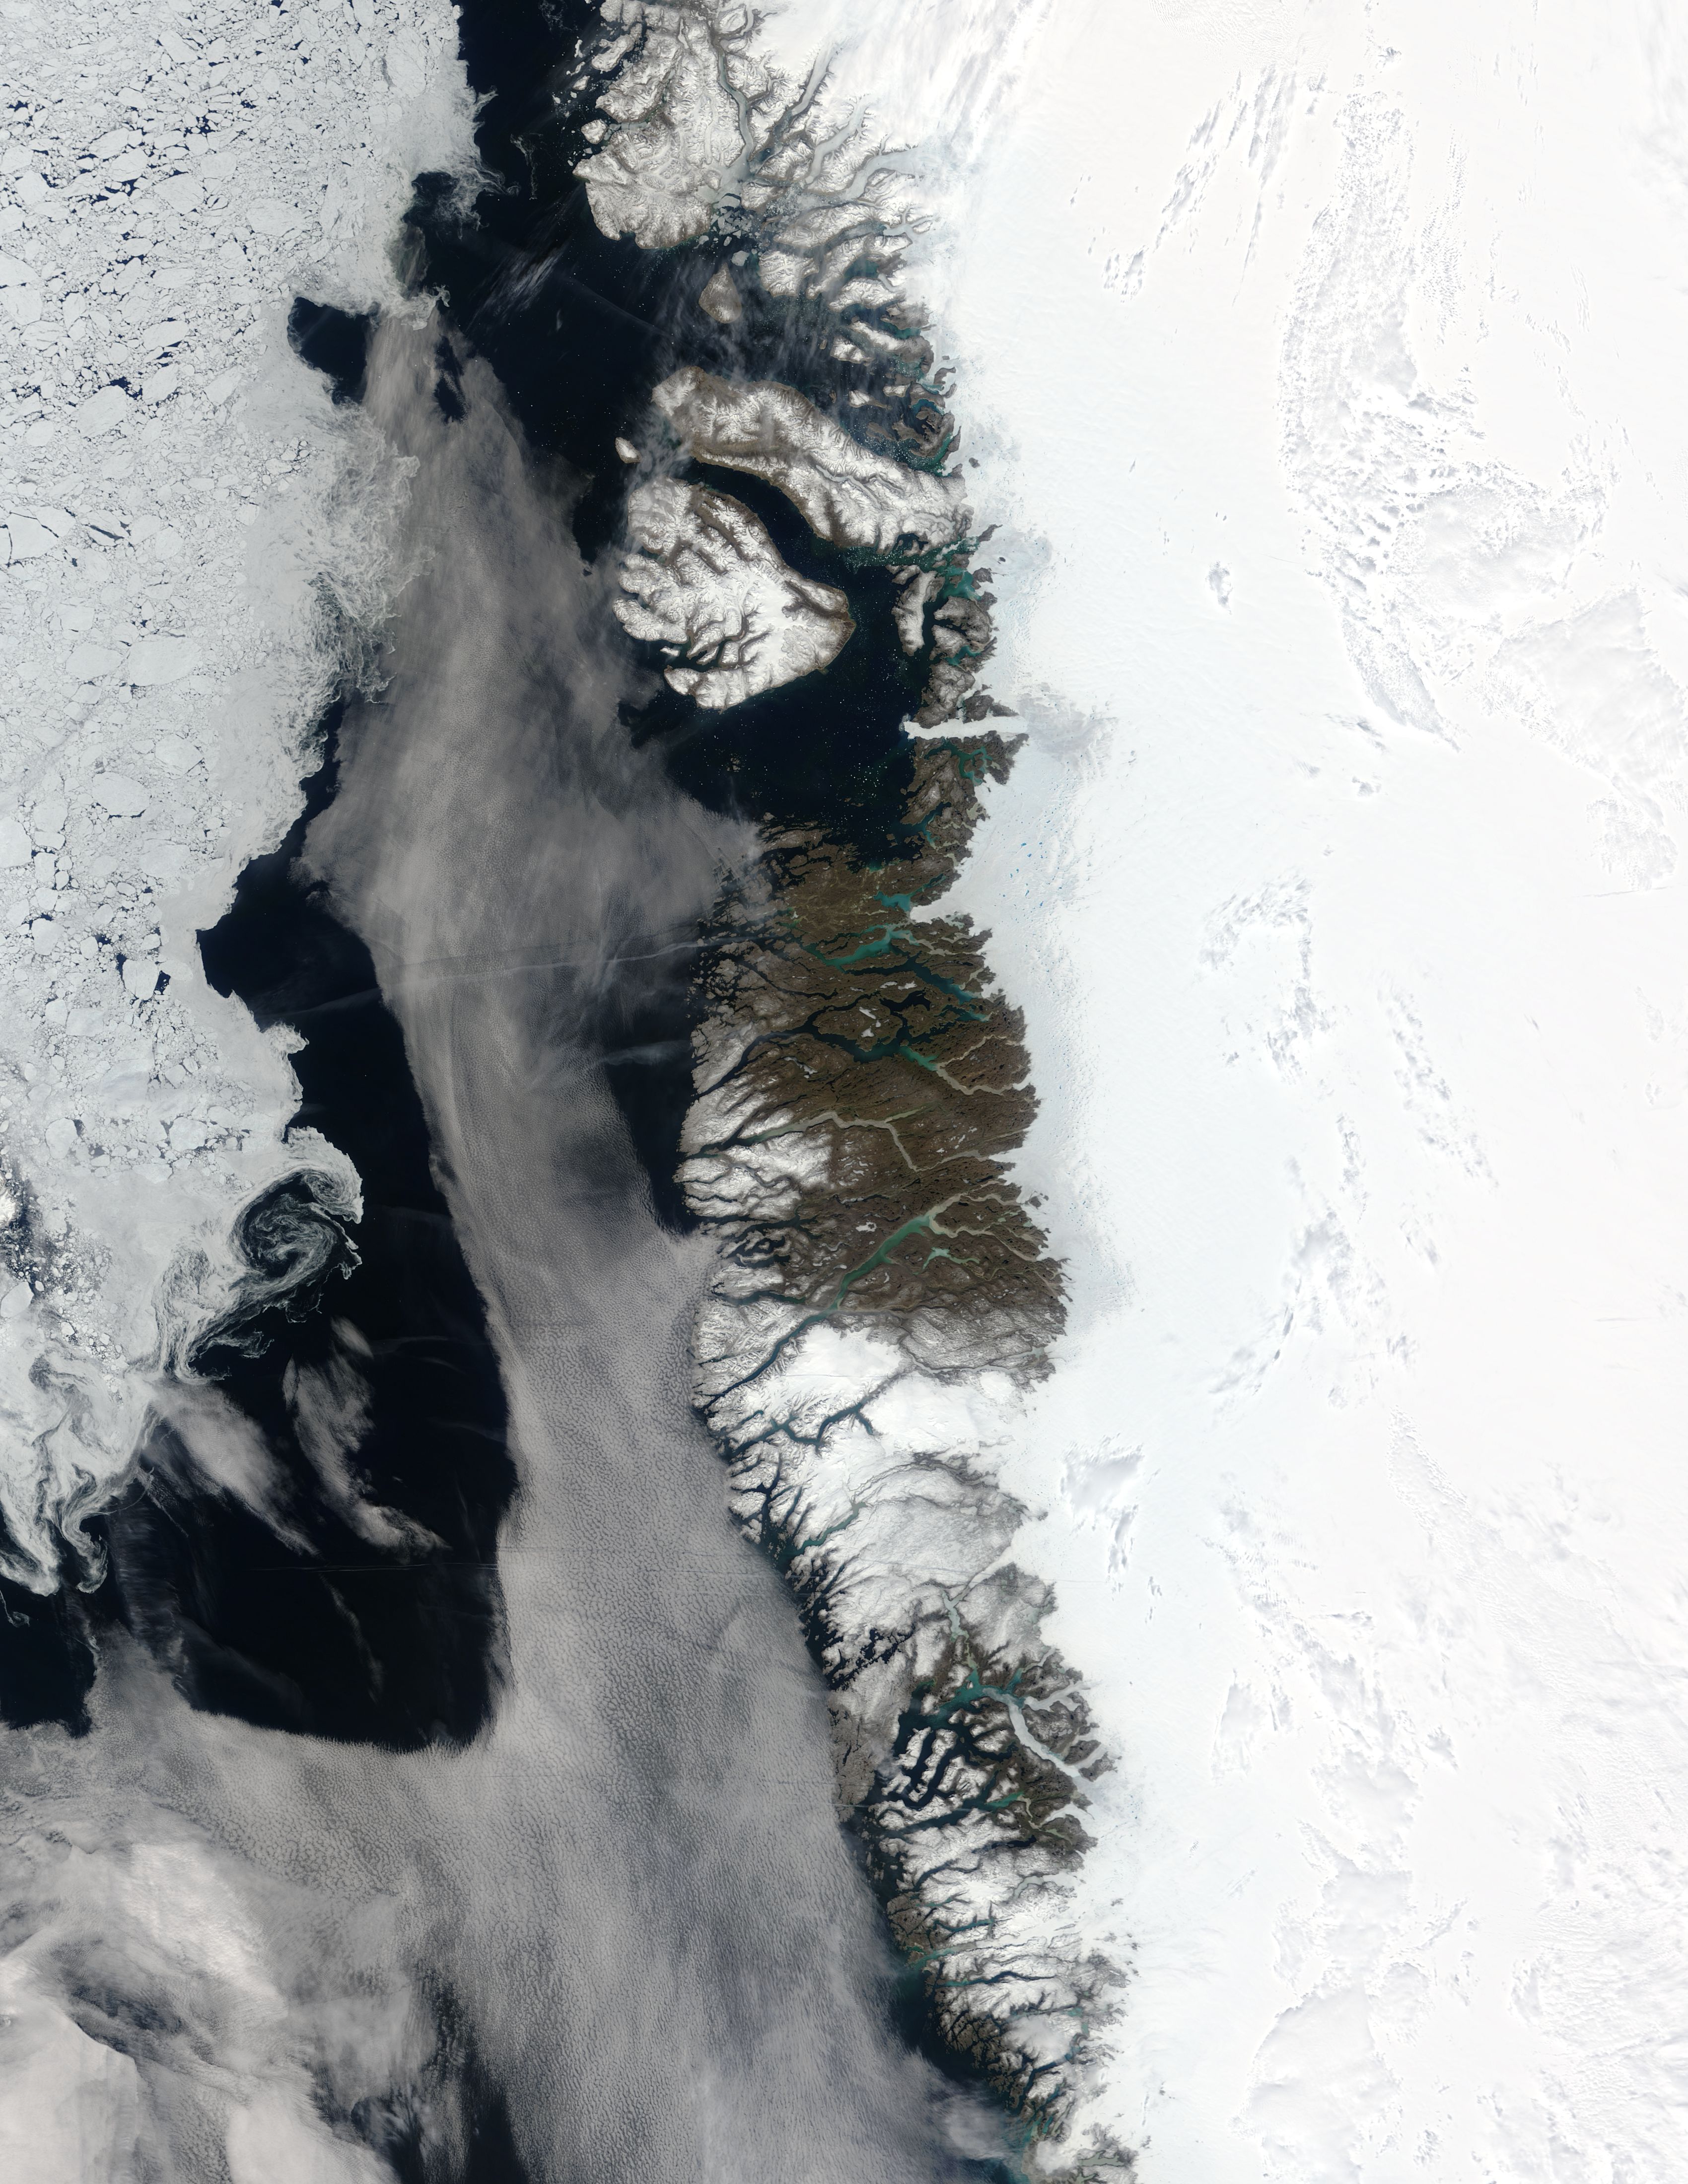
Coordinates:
162 648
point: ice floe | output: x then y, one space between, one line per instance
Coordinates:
169 511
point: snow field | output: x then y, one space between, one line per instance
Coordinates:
1342 600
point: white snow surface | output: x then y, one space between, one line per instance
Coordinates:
847 493
706 116
702 577
1320 366
184 519
675 126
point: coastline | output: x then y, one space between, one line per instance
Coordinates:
1235 1534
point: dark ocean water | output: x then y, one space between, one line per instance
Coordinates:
330 1635
580 328
327 1634
665 1771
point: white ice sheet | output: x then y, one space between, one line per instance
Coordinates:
1323 367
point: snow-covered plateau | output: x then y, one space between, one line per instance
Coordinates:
703 579
1343 600
846 493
